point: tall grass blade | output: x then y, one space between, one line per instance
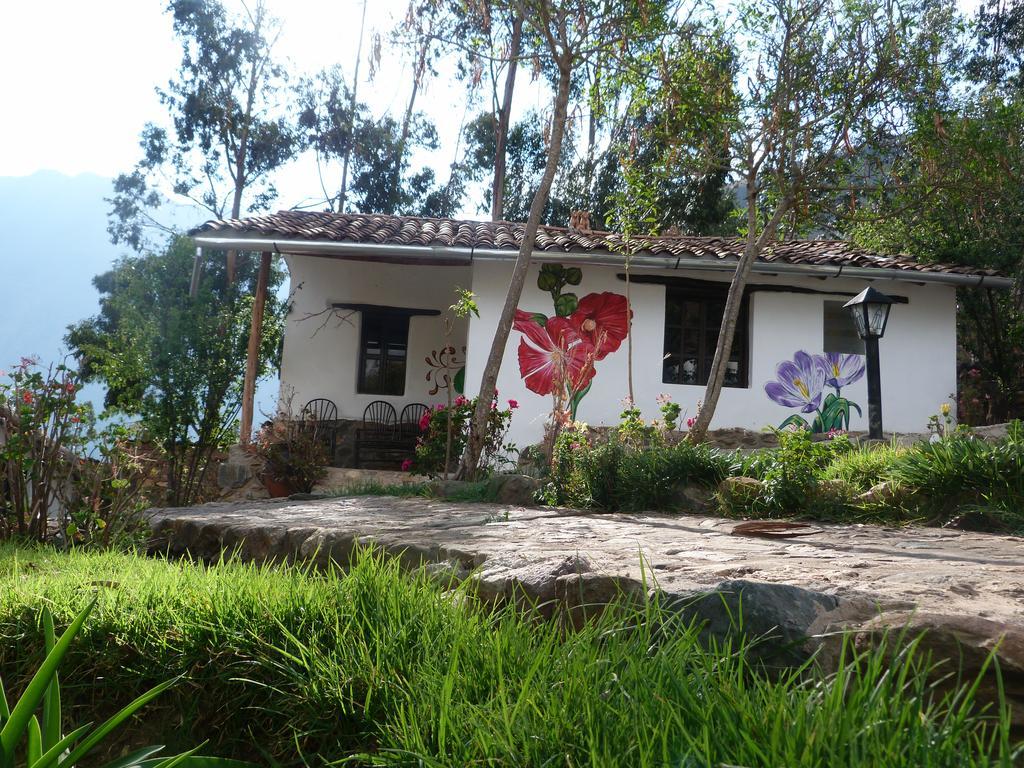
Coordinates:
17 723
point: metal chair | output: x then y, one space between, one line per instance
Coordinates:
409 423
379 432
322 415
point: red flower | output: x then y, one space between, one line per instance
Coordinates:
513 404
26 397
553 355
601 320
407 465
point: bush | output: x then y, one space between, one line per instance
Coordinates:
293 453
56 465
864 466
631 470
375 667
432 448
790 478
962 470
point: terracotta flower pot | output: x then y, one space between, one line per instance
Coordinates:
276 488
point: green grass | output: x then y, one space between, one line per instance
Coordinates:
463 492
376 667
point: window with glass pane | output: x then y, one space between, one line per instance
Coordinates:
692 322
382 352
840 332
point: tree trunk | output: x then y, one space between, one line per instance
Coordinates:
504 117
351 115
754 246
478 431
253 352
396 171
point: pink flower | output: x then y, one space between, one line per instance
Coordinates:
461 400
424 421
663 399
513 404
690 422
407 465
575 446
28 362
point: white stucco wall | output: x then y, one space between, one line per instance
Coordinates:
918 352
324 362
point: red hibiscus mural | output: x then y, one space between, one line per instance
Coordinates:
553 356
557 354
601 320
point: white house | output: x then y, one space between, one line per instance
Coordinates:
370 298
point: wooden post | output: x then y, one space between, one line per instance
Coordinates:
252 355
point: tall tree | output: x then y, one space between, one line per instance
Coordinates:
961 194
825 79
172 362
229 132
562 35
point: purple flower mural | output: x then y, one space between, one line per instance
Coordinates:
840 369
800 383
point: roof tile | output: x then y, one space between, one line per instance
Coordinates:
504 235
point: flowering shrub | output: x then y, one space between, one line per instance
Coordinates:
58 467
432 446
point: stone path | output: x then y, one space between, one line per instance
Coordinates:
967 589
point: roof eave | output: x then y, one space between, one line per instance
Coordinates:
442 255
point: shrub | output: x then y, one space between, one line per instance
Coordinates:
790 477
631 470
56 463
432 446
863 466
963 470
293 453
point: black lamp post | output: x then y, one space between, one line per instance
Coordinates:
870 310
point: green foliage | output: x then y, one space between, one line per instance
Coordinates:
377 667
790 474
43 744
863 466
56 462
228 137
436 425
175 363
959 469
633 469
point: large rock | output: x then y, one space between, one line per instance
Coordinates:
964 644
517 490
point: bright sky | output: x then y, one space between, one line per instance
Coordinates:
78 78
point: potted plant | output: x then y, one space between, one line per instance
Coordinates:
294 456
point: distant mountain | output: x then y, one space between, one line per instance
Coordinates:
53 241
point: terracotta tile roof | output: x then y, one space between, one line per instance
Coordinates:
503 235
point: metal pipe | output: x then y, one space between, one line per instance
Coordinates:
463 256
874 389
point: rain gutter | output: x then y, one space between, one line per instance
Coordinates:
462 256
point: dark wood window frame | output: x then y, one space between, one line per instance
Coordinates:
386 329
693 334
